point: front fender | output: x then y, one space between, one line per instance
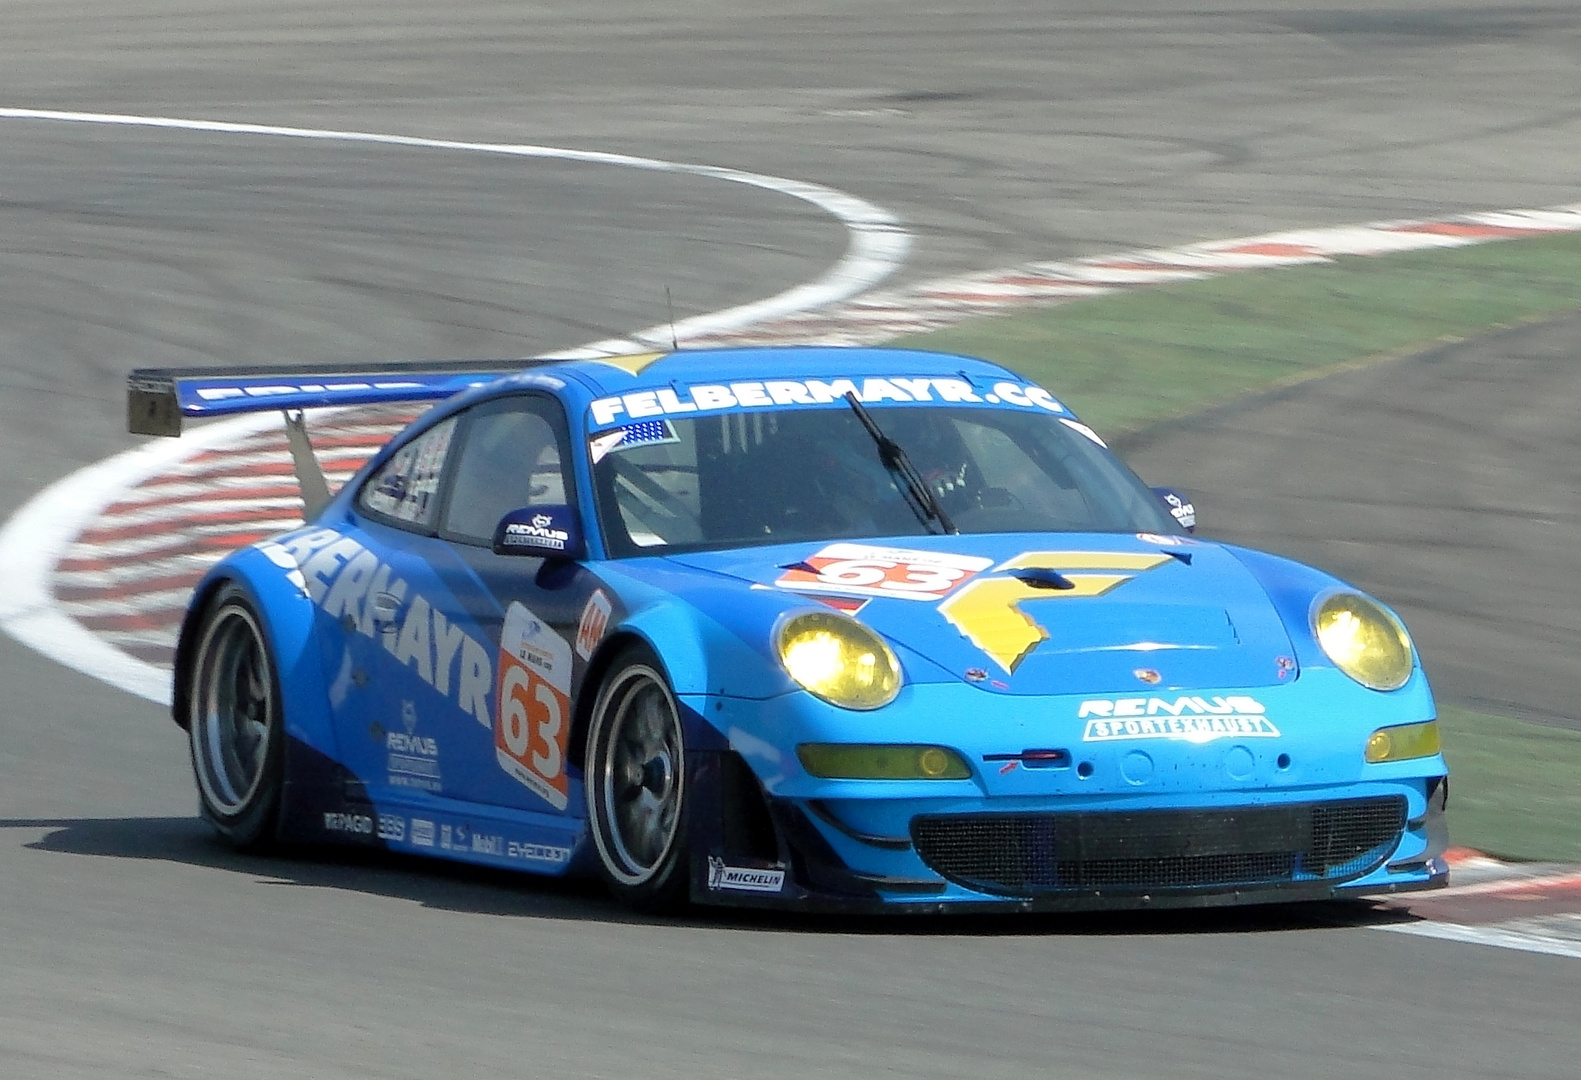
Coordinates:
701 656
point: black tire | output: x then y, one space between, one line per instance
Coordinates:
636 784
234 727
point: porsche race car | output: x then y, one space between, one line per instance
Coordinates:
795 627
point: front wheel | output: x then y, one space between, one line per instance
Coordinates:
636 784
233 723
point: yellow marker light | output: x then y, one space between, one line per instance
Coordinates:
877 761
1364 641
1404 742
840 660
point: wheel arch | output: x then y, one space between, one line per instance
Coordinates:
287 617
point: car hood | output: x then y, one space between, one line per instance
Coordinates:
1040 613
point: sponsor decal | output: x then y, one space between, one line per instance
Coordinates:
356 824
595 620
535 705
1188 718
1286 666
488 845
422 832
988 612
412 760
227 392
392 827
539 532
455 837
722 877
544 853
342 577
1148 675
864 570
779 393
282 558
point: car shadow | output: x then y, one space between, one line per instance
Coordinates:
461 887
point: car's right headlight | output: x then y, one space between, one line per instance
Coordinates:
1364 640
839 659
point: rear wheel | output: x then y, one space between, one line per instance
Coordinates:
636 784
233 724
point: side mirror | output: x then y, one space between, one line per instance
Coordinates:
1179 506
546 532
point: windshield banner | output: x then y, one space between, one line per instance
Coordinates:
780 393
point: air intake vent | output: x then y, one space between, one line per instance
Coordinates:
1160 850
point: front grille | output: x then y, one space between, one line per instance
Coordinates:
1160 850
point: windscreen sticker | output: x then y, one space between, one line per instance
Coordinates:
863 570
534 705
779 393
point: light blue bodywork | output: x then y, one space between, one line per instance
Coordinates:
1205 631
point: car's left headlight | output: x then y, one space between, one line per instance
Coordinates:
839 659
1364 640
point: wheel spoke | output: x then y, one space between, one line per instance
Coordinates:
639 777
232 689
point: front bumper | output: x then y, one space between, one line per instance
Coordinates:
1246 816
1064 854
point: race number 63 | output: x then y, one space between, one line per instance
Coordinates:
534 705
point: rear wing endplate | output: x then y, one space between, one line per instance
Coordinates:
159 399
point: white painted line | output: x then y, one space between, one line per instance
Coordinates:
39 534
1489 935
877 246
44 529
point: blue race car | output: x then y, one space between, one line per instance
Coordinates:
807 627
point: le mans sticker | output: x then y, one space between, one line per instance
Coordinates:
863 570
534 705
595 620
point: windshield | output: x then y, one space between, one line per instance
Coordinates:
742 479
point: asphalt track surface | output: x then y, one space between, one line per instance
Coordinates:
131 945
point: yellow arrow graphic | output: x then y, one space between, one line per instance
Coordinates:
987 611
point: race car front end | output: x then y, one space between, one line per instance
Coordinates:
1166 799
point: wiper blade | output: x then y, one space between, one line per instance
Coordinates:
917 494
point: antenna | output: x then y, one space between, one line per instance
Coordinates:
671 305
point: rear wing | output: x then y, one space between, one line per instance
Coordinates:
158 400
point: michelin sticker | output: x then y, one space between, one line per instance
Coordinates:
535 705
1182 719
743 878
777 393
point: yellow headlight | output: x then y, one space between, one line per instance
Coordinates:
840 660
1404 742
1364 641
869 761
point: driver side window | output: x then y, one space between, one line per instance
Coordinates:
513 454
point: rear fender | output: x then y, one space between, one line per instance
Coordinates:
270 579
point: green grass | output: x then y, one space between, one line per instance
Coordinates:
1128 360
1133 359
1512 786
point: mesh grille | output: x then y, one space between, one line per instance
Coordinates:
1160 850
